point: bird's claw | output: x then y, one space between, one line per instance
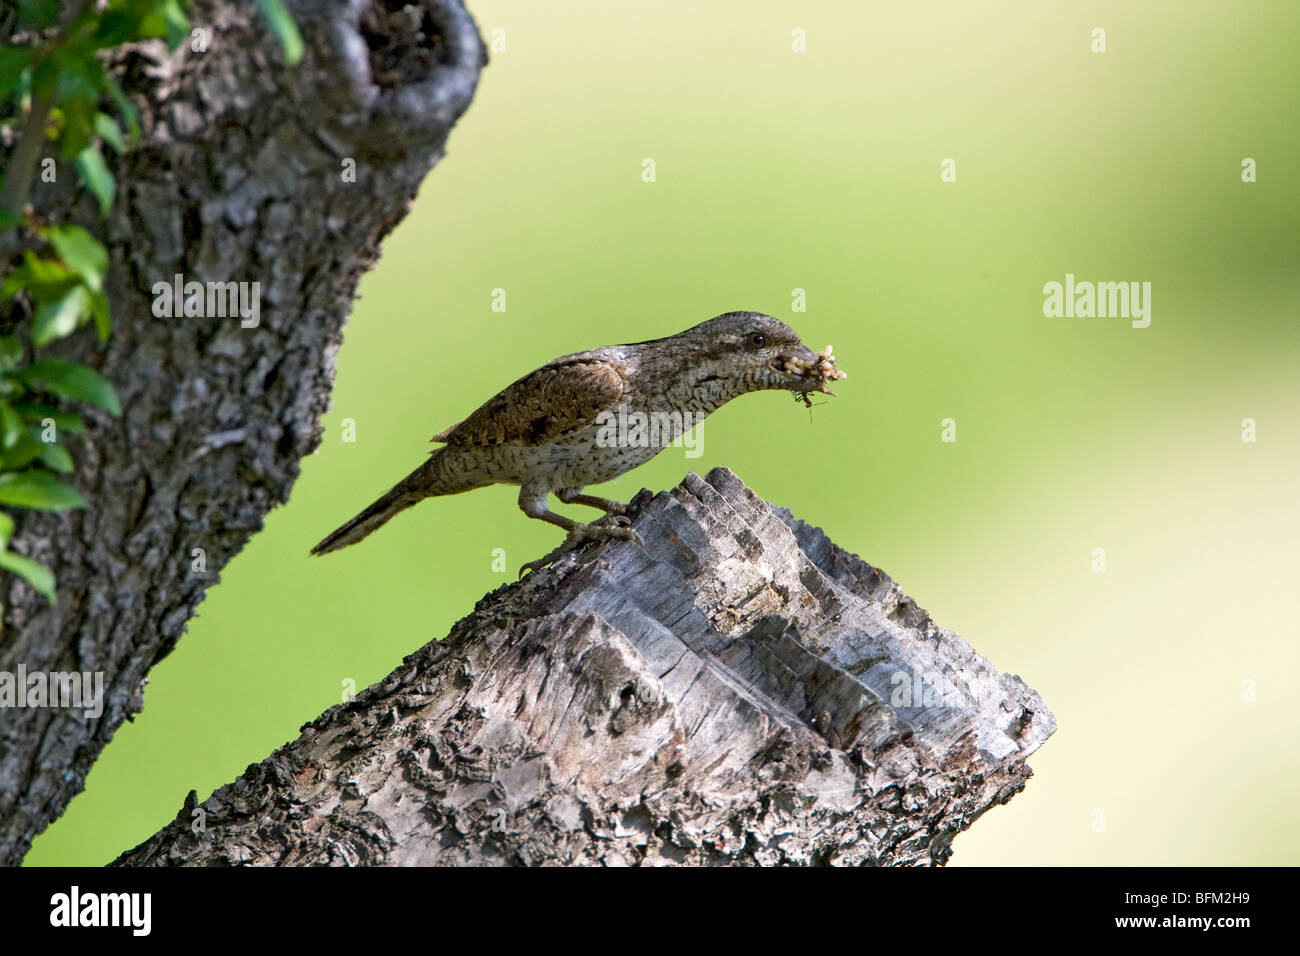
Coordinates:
614 526
539 563
627 533
618 527
548 558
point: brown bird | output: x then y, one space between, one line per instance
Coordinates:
591 416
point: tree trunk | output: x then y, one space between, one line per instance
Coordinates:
240 176
742 692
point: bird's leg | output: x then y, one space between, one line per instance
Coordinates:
574 496
615 511
532 501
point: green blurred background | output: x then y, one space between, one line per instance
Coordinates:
820 171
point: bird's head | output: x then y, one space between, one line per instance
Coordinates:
760 352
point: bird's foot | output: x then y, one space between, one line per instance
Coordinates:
549 557
618 527
607 505
613 526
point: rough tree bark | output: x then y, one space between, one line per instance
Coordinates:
742 692
238 178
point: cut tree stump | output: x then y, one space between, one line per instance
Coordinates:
742 692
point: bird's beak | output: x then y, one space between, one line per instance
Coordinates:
808 371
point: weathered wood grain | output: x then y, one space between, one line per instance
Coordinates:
742 692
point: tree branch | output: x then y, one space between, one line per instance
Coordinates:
22 162
743 692
238 178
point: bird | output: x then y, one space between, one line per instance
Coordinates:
590 416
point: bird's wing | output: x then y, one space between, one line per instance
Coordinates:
558 399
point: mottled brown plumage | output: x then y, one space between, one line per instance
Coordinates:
559 399
562 426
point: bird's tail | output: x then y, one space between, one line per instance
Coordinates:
369 520
437 476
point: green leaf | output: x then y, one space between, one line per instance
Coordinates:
13 60
71 381
99 310
77 124
65 423
15 282
9 219
79 72
44 76
83 253
25 451
164 18
46 279
11 350
106 128
285 30
124 106
48 274
115 27
55 456
94 173
38 489
178 25
30 570
11 426
57 319
6 530
41 14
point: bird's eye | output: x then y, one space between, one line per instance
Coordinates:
757 339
